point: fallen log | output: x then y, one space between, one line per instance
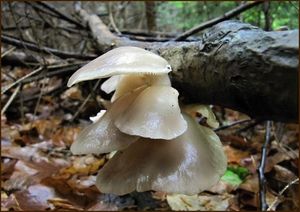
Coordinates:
235 65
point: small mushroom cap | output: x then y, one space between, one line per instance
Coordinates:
189 164
102 136
122 60
205 111
155 114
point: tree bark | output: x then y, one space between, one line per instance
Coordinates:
235 65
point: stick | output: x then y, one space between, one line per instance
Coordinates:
34 47
21 79
112 21
219 19
85 101
12 97
7 52
261 169
274 203
232 124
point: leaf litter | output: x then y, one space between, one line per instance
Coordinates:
40 173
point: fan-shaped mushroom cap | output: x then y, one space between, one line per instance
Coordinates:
155 114
102 136
189 164
122 60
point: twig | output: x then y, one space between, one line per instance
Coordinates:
34 47
219 19
53 73
261 169
61 15
112 21
274 203
249 126
21 79
40 94
12 97
7 52
232 124
85 101
41 9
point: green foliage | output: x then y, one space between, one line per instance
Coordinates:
174 16
242 172
231 178
235 175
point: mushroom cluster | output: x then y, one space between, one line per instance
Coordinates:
158 146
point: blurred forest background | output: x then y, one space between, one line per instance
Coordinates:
43 43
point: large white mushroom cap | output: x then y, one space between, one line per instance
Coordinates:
189 164
122 60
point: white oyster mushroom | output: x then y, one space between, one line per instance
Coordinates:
159 148
188 164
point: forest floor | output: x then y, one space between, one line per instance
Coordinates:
38 171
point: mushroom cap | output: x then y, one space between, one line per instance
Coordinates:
102 136
122 60
205 111
155 114
189 164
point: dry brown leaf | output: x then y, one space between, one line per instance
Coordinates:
283 174
202 202
85 165
35 197
65 136
72 93
62 204
235 156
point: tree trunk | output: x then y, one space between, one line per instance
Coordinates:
266 9
150 15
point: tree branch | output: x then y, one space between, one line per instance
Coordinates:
210 23
34 47
235 65
61 15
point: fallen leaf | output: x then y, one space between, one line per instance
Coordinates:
180 202
35 197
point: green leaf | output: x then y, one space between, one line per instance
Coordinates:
231 178
242 172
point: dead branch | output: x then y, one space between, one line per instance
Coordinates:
34 47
